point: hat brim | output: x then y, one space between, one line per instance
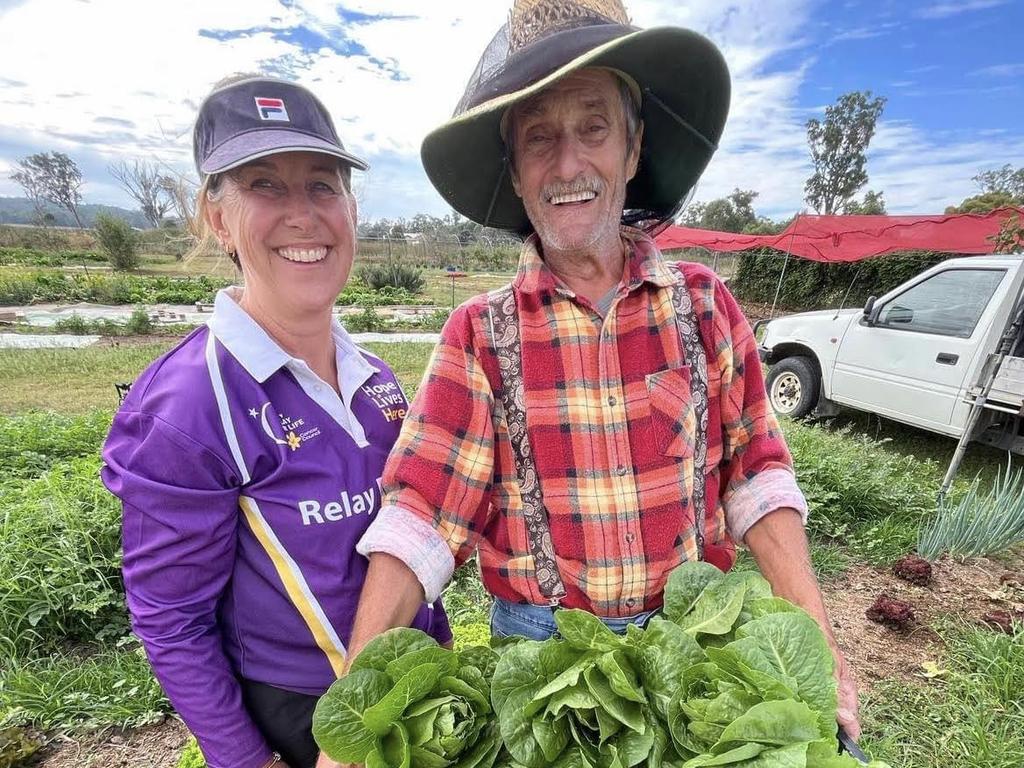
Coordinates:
253 145
686 92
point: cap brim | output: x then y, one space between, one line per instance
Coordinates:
686 101
250 146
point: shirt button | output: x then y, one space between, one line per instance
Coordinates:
630 537
620 470
612 401
631 602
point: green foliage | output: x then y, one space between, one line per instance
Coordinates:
733 213
392 275
117 239
732 676
60 578
35 441
971 716
367 320
1005 179
192 756
861 495
69 691
980 524
873 204
407 700
359 294
118 289
816 285
1011 235
985 202
839 150
139 323
39 258
16 746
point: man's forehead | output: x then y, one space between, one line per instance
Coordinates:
587 87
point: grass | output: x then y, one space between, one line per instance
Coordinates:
70 381
863 498
407 359
980 460
970 717
438 286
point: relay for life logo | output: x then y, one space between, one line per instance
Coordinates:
296 431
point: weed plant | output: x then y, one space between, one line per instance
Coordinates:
60 578
861 495
971 716
76 692
392 275
34 441
139 323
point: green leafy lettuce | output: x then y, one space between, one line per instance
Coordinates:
730 676
409 703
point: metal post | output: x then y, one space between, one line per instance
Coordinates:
778 288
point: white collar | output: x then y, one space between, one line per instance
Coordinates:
261 356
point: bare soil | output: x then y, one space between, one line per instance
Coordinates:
959 589
965 589
155 746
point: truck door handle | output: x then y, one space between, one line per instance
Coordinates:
947 358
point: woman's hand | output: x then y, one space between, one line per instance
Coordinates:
325 762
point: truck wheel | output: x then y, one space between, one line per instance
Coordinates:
793 387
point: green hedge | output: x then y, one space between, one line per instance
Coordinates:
813 285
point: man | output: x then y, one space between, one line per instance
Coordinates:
604 418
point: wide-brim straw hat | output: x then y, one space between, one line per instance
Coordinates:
683 84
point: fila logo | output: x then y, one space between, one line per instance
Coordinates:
271 109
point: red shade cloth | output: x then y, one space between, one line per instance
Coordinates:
852 238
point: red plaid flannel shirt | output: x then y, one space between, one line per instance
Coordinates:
612 429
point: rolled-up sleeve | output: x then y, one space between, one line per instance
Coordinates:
180 503
757 469
438 478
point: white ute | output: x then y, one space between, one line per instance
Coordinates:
943 352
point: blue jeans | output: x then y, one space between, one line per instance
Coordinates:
537 622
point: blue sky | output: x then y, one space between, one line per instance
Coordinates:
390 70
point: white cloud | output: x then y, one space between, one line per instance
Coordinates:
945 9
1001 70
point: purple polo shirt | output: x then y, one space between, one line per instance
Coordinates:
246 483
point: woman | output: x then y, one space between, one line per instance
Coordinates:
248 457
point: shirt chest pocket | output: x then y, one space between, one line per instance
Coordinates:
673 418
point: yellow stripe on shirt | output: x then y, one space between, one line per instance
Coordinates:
296 587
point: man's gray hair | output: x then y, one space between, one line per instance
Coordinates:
630 109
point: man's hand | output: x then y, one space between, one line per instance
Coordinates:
325 762
847 711
779 545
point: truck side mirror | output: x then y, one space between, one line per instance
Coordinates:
869 308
